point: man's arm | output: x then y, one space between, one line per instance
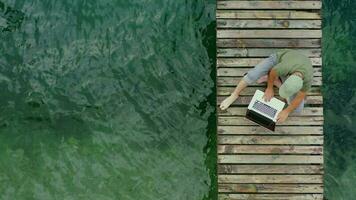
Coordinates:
282 116
271 77
269 93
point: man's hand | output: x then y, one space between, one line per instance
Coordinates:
283 115
269 93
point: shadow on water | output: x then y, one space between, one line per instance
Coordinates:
211 147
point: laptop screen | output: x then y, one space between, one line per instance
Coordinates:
264 108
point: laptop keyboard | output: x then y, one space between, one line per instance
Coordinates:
266 109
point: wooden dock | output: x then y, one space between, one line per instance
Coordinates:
253 162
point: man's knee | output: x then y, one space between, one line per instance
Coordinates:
248 79
260 69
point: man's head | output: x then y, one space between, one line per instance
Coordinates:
290 86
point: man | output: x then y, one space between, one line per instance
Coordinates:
289 70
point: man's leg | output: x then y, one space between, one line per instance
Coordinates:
300 107
250 77
234 95
276 82
260 69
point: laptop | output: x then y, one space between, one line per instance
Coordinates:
262 112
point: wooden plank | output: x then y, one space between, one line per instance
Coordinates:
251 62
269 149
275 23
233 80
291 120
223 90
268 33
270 188
270 197
270 159
253 5
270 178
270 139
280 130
269 43
244 52
245 100
267 14
270 169
241 111
241 71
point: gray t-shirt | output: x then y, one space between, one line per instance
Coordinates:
290 61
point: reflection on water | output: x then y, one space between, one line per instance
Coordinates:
339 91
107 99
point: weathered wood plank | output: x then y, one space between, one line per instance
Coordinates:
270 197
280 130
270 159
232 81
245 100
254 5
270 43
270 188
270 178
270 169
291 120
223 90
251 62
269 149
266 14
276 23
249 52
241 71
270 140
268 33
241 111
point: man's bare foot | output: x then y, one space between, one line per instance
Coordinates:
228 101
264 78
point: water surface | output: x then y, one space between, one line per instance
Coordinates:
115 99
107 99
339 91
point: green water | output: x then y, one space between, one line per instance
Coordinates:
115 99
107 100
339 71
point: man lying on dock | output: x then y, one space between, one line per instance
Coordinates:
289 70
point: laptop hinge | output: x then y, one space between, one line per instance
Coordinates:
260 119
